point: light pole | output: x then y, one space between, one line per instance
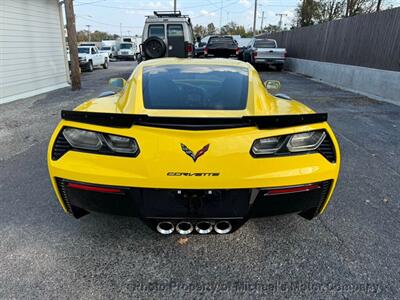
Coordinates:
174 6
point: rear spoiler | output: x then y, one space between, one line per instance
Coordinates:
128 120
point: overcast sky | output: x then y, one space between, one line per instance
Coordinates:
106 15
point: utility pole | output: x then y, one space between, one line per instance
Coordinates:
255 18
262 22
280 19
120 30
72 44
220 16
174 6
88 30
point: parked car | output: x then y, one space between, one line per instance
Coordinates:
167 34
243 43
90 57
127 50
221 46
200 46
111 51
265 52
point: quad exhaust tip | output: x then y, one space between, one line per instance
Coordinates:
204 227
165 227
184 227
223 227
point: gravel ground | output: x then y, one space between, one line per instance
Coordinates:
352 251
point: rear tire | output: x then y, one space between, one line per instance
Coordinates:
105 65
279 68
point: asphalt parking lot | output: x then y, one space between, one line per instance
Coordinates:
352 251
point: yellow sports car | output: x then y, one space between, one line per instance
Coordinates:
193 146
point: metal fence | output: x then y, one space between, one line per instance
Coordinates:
371 40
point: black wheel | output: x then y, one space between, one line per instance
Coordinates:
154 47
279 67
105 65
90 66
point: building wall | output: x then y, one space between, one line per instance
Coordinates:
32 48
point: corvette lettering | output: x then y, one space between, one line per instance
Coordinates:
191 174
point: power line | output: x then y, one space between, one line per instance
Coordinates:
108 24
225 6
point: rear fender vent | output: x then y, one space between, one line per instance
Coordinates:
327 149
60 147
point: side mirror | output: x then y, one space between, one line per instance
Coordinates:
117 82
272 86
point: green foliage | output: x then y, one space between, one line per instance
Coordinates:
96 36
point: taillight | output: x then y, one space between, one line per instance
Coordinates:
189 49
237 51
254 54
205 50
286 54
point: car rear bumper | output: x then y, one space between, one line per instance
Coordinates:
125 56
187 204
269 61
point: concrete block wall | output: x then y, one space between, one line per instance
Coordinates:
374 83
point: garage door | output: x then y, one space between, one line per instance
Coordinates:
32 51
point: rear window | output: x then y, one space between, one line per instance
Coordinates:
264 44
83 50
215 40
174 30
195 87
157 30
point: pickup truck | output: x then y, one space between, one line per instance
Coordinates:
221 46
265 52
90 57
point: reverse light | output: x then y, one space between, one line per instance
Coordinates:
83 139
121 144
267 145
306 141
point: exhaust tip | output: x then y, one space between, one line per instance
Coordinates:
204 227
165 227
184 227
223 227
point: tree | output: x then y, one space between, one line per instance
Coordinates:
199 30
271 28
306 13
329 10
96 36
233 29
357 7
211 29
